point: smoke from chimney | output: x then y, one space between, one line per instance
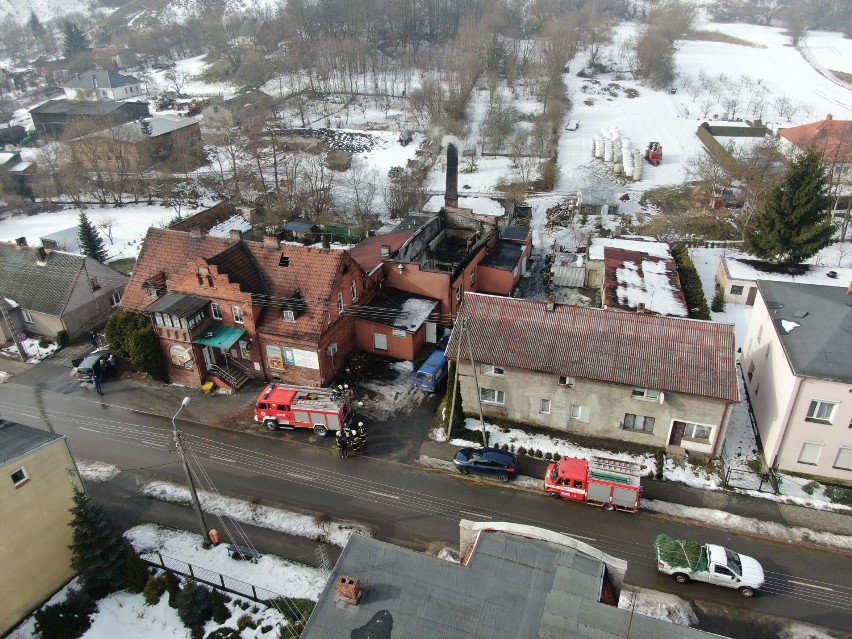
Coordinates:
451 196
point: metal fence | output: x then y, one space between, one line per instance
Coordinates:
210 577
748 479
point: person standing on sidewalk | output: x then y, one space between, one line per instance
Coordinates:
343 442
94 339
96 380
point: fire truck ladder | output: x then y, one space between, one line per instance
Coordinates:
603 468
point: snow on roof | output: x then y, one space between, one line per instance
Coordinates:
20 166
789 326
413 313
653 249
224 228
743 268
652 288
479 205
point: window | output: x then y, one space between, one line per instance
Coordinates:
152 293
544 406
750 371
289 316
216 311
472 279
736 290
458 295
488 369
28 318
567 382
354 291
579 413
768 348
844 459
698 431
759 334
328 318
638 422
238 314
646 393
810 453
340 303
20 476
821 412
115 298
491 396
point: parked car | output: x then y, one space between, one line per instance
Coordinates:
572 125
98 359
487 461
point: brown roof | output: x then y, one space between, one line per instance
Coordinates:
368 253
830 138
658 298
644 351
258 270
206 219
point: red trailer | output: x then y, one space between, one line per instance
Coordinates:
610 483
654 153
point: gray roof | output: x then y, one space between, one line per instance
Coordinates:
178 304
512 586
299 225
515 233
16 440
820 343
105 79
132 131
503 255
40 288
81 107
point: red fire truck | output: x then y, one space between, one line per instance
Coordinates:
323 409
610 483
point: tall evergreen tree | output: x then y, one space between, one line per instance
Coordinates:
35 25
91 244
98 549
74 40
795 222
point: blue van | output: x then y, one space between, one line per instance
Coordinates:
433 372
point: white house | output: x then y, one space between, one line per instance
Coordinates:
98 84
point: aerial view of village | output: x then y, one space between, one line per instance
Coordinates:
401 319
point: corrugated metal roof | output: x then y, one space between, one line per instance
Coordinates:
645 351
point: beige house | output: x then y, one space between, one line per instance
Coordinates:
797 361
38 478
652 380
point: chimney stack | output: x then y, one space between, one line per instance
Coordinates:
640 307
829 117
195 230
235 234
385 250
41 253
270 242
349 589
21 242
551 305
451 196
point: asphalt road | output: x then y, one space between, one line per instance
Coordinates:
420 509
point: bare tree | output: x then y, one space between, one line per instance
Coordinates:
176 79
731 103
706 106
106 224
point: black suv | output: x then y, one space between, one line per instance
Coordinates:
487 461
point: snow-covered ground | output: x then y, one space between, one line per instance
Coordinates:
35 353
97 471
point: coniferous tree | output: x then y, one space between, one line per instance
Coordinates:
98 550
35 25
145 126
74 40
91 244
194 608
795 222
718 303
219 609
136 573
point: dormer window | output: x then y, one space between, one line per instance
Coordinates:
284 261
289 316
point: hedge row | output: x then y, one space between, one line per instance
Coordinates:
719 152
738 131
691 283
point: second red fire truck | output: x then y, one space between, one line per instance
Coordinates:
325 410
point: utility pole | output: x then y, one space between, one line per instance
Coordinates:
475 382
192 491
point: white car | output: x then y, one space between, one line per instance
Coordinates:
572 125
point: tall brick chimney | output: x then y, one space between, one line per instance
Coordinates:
270 242
451 196
195 231
235 235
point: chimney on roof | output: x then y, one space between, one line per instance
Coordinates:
385 250
41 254
551 305
235 234
21 242
195 230
640 307
270 242
78 76
451 196
829 117
349 589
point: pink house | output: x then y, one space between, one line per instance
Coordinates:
797 361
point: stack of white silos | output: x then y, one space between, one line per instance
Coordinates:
599 145
626 157
638 165
607 149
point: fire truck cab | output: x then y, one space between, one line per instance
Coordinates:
325 410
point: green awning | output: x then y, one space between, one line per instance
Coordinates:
219 336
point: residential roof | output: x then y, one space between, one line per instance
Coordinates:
81 107
654 249
368 252
67 240
17 440
132 131
751 270
814 325
503 255
310 271
178 304
391 307
645 351
104 78
254 98
39 288
299 225
830 138
517 233
632 278
511 586
7 157
206 219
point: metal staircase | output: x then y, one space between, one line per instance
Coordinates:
235 379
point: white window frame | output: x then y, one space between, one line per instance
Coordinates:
635 420
354 291
288 315
115 298
25 477
567 382
544 406
813 410
237 312
648 394
841 451
689 433
819 448
739 292
760 334
499 397
215 311
340 303
578 413
493 371
28 317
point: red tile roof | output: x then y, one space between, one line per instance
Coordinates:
830 138
643 351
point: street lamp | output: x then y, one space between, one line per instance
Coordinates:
191 483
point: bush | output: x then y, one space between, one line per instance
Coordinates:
810 487
68 619
522 451
505 448
225 633
556 457
172 587
145 353
44 342
549 174
718 303
136 573
548 455
838 495
194 608
691 283
154 589
246 621
660 456
62 338
119 329
296 612
538 454
220 610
